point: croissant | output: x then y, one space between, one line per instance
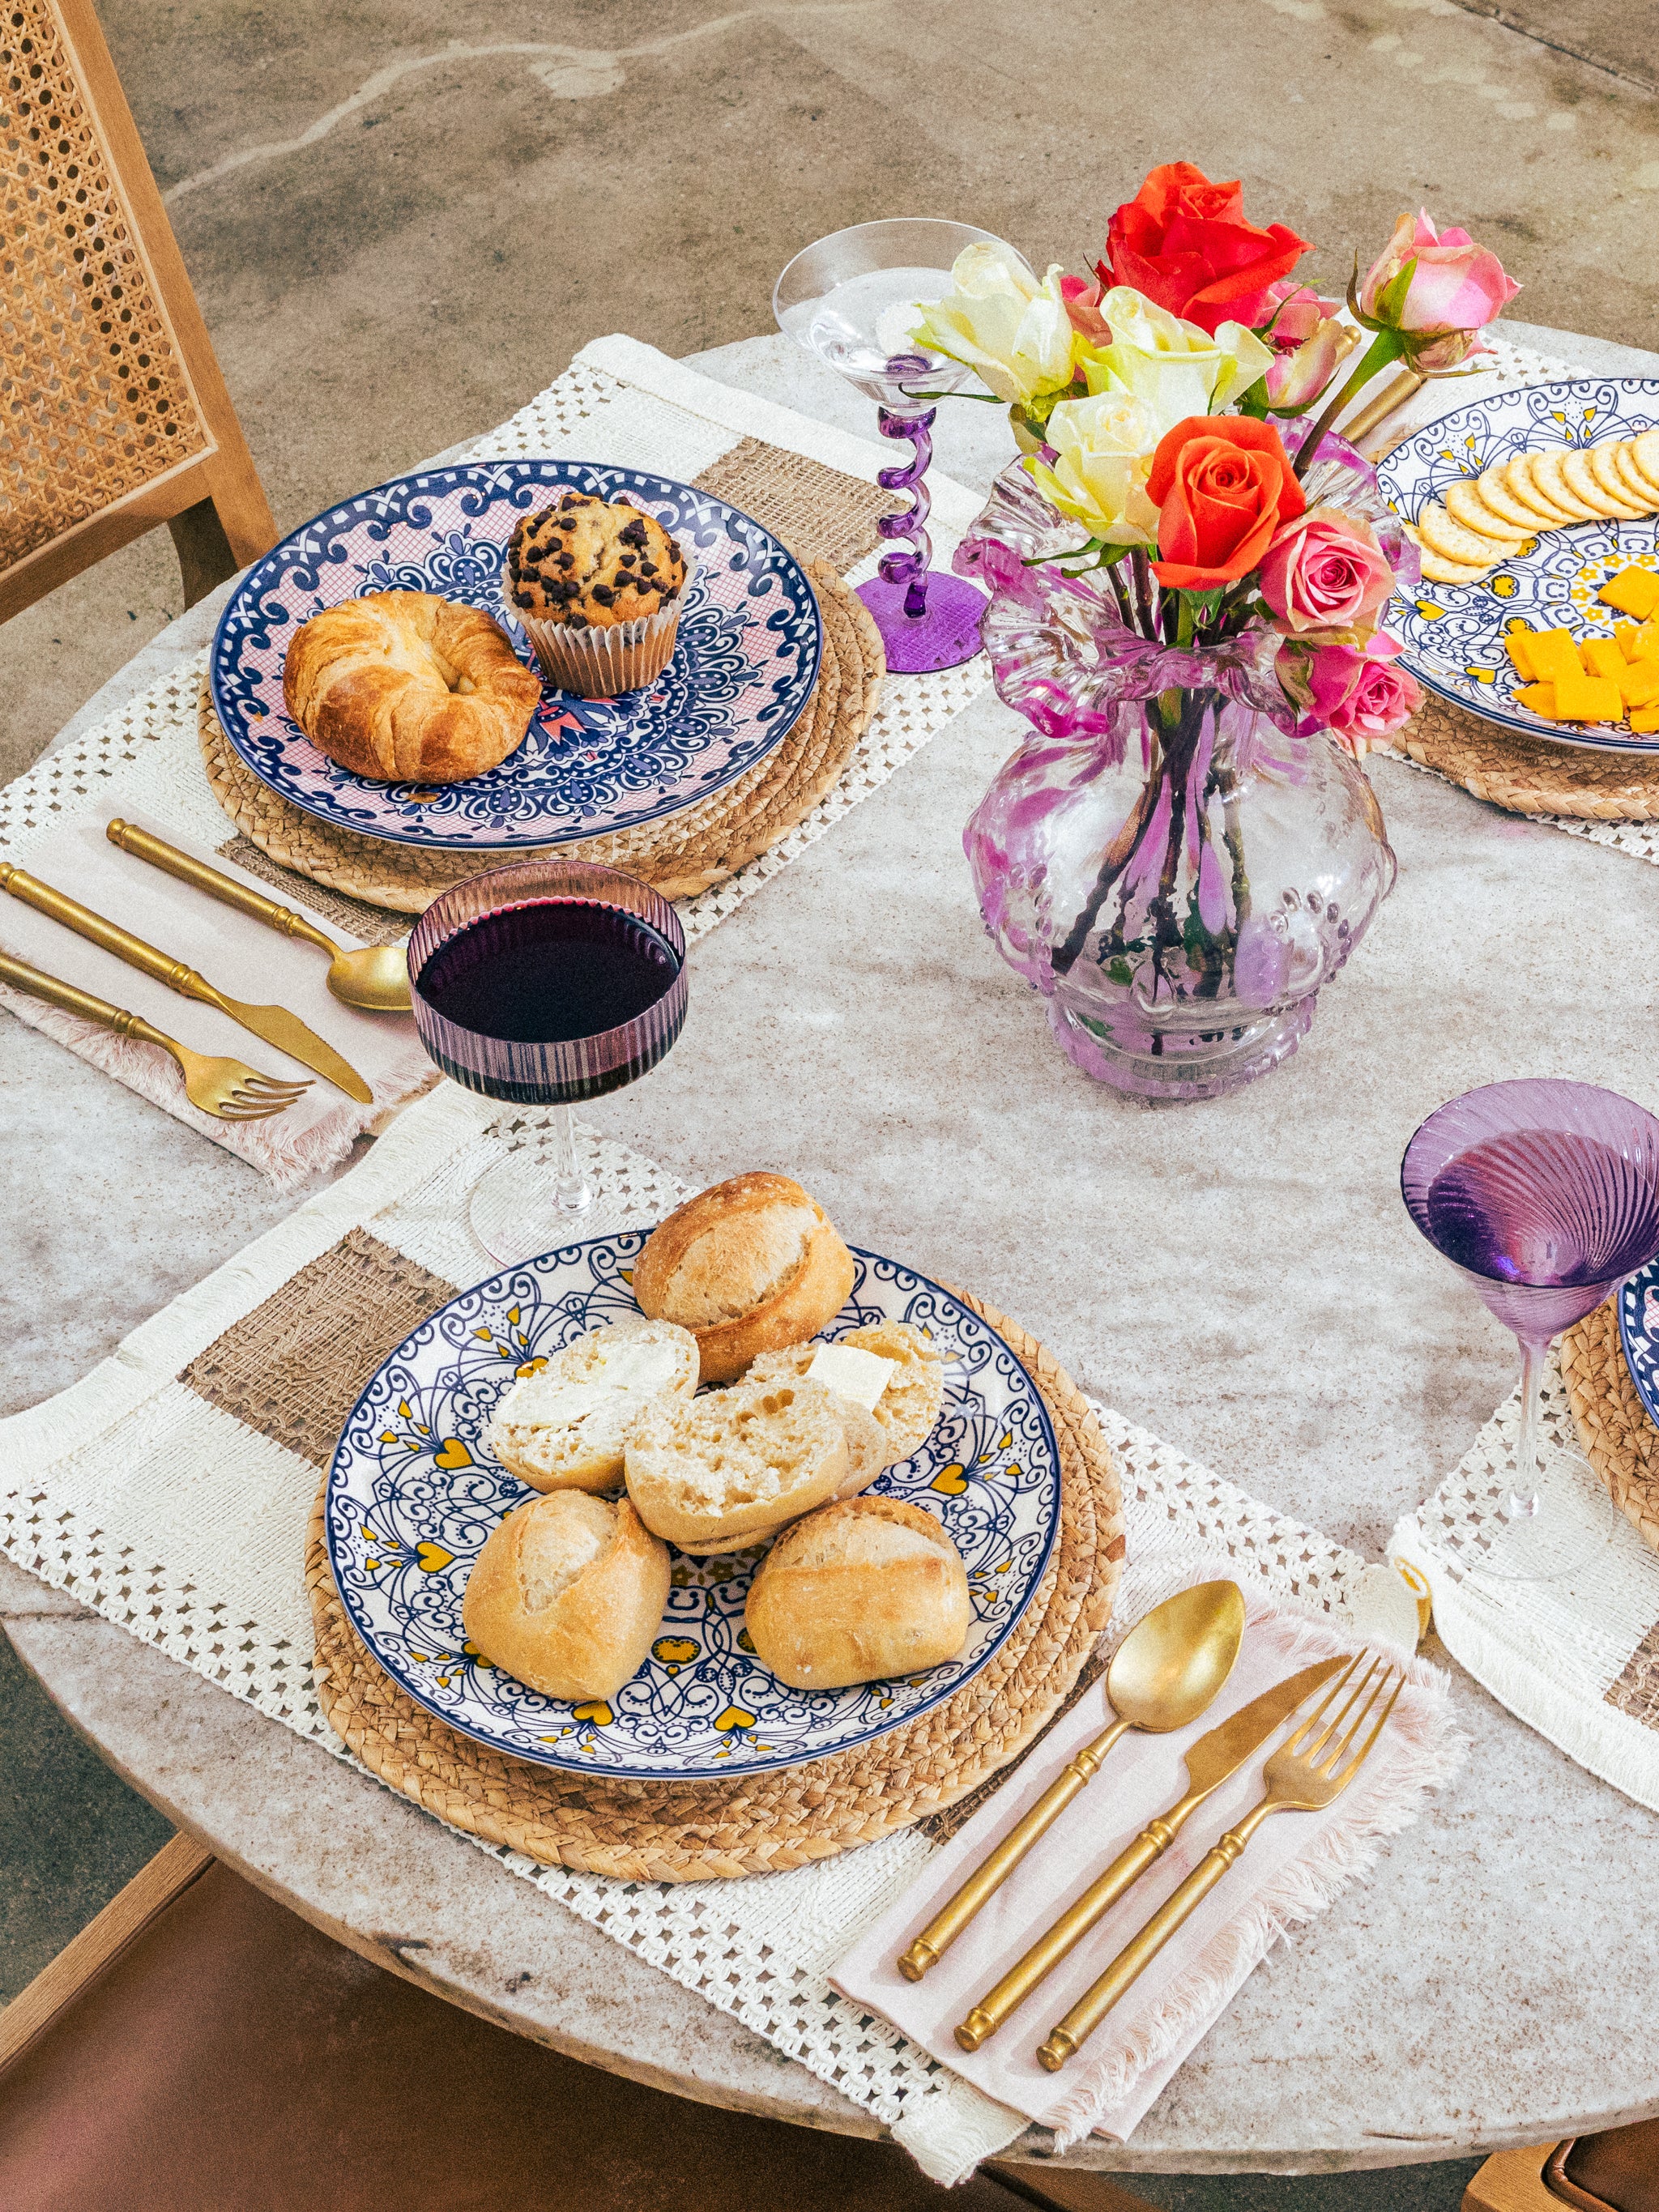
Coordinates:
409 687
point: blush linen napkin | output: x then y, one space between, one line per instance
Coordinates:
242 957
1296 1864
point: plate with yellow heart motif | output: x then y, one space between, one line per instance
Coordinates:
413 1494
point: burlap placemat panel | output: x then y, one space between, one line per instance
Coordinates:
763 1823
685 854
1529 776
1619 1441
819 513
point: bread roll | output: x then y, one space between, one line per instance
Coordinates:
914 1397
407 686
748 1267
862 1589
567 1594
868 1453
726 1467
564 1427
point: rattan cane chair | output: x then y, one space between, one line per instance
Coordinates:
113 415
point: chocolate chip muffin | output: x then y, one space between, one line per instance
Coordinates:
587 562
598 586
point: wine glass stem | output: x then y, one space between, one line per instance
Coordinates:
908 567
1526 1450
575 1192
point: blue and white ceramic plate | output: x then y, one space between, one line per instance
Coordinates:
1453 633
413 1494
745 660
1638 1332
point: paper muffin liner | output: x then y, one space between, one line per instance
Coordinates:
602 664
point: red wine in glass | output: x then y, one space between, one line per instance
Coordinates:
1546 1194
544 985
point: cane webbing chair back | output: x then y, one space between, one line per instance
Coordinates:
113 415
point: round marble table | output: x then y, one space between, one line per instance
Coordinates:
1240 1277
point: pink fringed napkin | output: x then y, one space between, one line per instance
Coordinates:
1296 1864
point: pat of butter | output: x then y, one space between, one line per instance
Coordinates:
552 1400
860 1376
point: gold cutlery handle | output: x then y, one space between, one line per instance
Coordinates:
39 985
1133 1960
943 1929
225 889
59 906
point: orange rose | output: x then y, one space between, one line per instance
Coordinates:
1223 485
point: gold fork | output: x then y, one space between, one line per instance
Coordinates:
224 1088
1310 1768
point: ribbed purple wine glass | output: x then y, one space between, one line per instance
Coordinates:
1545 1195
544 985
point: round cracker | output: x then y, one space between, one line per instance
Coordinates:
1467 507
1630 473
1604 467
1450 571
1521 485
1643 450
1548 472
1440 534
1577 474
1523 519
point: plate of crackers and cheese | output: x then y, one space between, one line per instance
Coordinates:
1535 513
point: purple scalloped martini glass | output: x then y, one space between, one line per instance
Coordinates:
544 985
1545 1195
849 300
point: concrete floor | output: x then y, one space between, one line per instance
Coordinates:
402 218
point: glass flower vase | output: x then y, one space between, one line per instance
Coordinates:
1167 859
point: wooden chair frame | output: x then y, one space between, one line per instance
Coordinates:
213 502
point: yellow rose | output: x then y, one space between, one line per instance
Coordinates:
999 321
1105 448
1172 367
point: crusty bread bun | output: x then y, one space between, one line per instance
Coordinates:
868 1453
726 1467
564 1426
567 1594
748 1267
406 686
861 1589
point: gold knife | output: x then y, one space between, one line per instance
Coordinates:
286 1031
1210 1762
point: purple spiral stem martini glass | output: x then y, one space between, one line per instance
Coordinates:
1545 1195
544 985
850 300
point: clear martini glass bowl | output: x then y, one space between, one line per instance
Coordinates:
849 300
1545 1195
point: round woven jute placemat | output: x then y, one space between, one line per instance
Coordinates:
1529 776
761 1823
1619 1441
680 856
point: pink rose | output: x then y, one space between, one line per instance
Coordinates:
1357 693
1083 306
1455 284
1295 313
1296 379
1324 571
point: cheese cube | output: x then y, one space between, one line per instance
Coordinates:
1603 658
1554 653
1516 643
852 1373
1627 634
1541 697
1588 699
1645 644
1639 684
1632 591
1645 721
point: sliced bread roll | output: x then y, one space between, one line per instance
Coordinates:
914 1397
749 1266
862 1589
868 1454
731 1465
567 1594
565 1427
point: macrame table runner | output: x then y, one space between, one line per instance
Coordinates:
170 1491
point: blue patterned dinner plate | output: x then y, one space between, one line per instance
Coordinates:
745 660
1453 633
413 1494
1638 1332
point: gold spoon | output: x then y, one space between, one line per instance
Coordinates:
1163 1676
375 977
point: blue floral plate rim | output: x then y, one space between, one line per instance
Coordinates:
798 636
1638 1339
952 1677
